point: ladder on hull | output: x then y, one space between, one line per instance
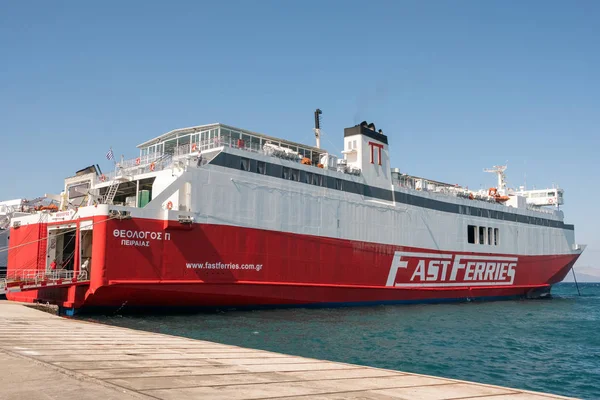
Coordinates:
33 279
43 243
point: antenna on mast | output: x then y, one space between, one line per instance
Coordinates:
499 170
318 113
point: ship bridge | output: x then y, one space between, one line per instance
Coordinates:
543 197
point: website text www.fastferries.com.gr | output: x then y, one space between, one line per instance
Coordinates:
220 265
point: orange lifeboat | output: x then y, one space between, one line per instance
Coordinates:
493 192
49 207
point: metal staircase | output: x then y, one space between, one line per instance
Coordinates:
111 192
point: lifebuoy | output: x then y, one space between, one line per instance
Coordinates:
551 201
152 166
194 147
137 161
102 178
169 205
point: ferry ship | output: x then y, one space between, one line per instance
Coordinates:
217 216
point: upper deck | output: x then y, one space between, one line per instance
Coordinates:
205 136
365 149
363 169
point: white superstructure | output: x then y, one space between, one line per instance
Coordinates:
202 172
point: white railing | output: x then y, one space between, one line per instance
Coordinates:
36 276
223 141
451 191
139 161
541 210
31 279
161 161
148 163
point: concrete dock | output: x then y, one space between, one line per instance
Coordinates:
43 356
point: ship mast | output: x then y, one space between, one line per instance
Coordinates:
317 129
499 170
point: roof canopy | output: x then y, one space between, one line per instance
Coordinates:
185 131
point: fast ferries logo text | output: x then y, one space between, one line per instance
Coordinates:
410 269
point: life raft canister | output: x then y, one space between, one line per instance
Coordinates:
152 166
169 205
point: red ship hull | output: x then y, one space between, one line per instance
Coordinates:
153 263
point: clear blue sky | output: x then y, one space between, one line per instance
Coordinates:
457 85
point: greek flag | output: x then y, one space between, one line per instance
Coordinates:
110 155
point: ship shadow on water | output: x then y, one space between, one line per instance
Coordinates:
165 311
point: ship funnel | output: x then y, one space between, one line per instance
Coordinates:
366 150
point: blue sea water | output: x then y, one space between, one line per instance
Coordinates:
542 345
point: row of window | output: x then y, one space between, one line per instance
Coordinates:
277 171
538 194
483 235
501 215
256 142
291 174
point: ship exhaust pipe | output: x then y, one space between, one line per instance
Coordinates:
318 113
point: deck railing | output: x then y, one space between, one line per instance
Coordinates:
222 141
161 161
32 279
148 163
36 276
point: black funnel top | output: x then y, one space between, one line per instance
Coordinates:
368 130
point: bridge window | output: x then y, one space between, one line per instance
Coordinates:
183 140
308 177
316 178
79 190
170 146
262 167
295 175
245 164
471 229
